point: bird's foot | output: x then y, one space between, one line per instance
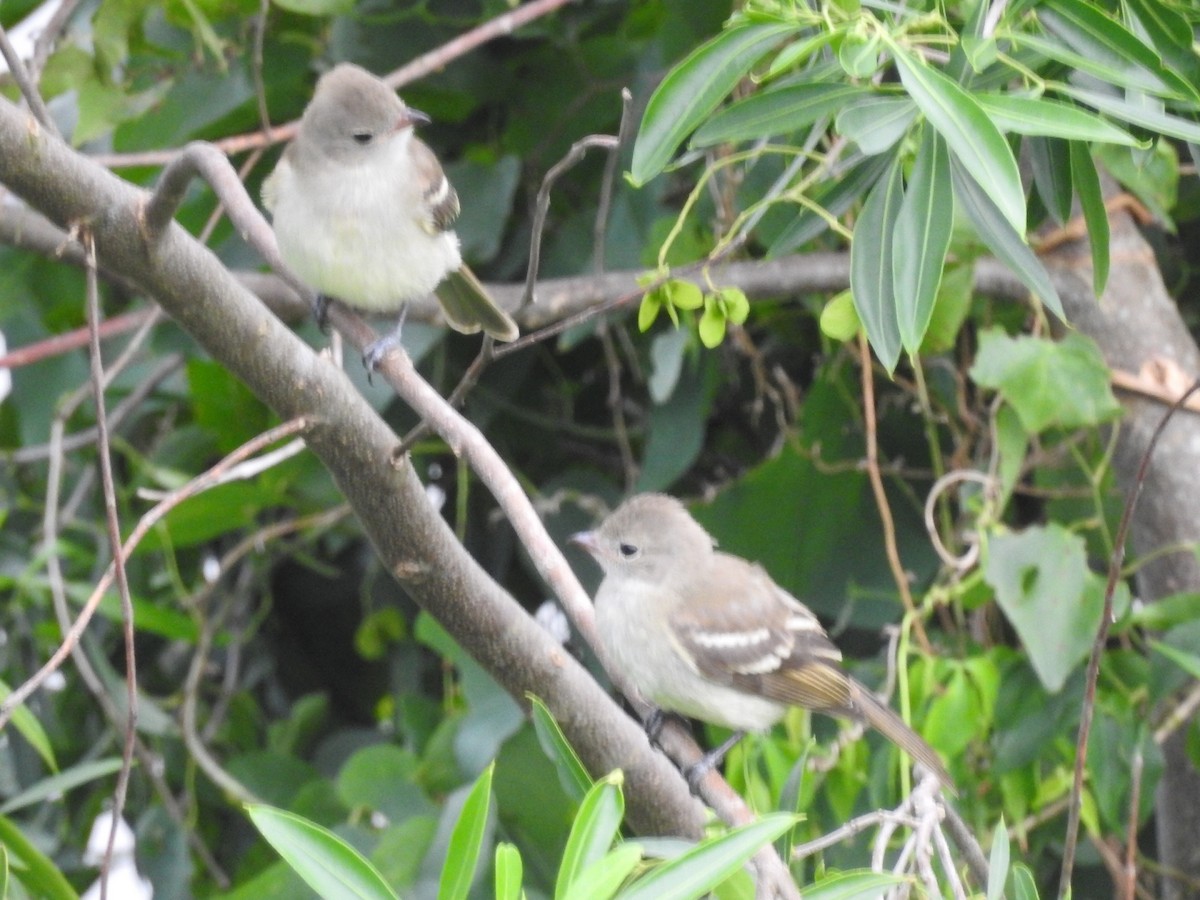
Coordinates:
695 773
321 311
374 353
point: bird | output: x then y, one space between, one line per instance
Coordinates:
363 212
711 636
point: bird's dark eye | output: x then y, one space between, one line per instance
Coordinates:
628 551
362 137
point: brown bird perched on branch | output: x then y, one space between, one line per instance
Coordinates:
711 636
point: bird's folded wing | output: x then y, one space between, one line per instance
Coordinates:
441 197
749 632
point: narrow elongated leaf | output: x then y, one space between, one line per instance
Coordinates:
1129 77
462 855
1093 33
871 267
1051 160
1095 215
1051 118
328 865
1008 246
875 123
600 880
835 200
860 885
693 89
1147 117
998 864
970 134
36 871
31 729
700 869
921 238
1171 35
776 111
593 832
509 872
571 772
59 784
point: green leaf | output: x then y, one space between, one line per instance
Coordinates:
1165 613
921 238
684 294
1138 114
1048 383
316 7
39 875
652 303
839 320
509 872
1023 885
1007 244
31 729
1095 214
1170 34
858 54
64 781
835 198
950 308
1094 34
571 772
780 110
602 878
853 885
871 267
1151 176
1051 118
1046 591
734 304
712 324
975 142
1052 175
876 122
596 826
700 869
328 865
1189 662
466 840
692 90
998 863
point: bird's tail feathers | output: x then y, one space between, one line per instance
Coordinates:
469 307
881 717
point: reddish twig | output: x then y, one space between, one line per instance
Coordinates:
1093 667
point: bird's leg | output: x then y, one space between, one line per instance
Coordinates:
654 725
695 773
321 311
374 353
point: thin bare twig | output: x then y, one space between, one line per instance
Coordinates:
1129 886
434 61
1088 711
45 41
29 91
113 526
197 485
881 500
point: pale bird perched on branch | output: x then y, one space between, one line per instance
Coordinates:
363 211
711 636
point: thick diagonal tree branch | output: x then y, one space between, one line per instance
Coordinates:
413 541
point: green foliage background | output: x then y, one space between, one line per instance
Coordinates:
326 693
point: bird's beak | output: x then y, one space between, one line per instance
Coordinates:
412 117
587 540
